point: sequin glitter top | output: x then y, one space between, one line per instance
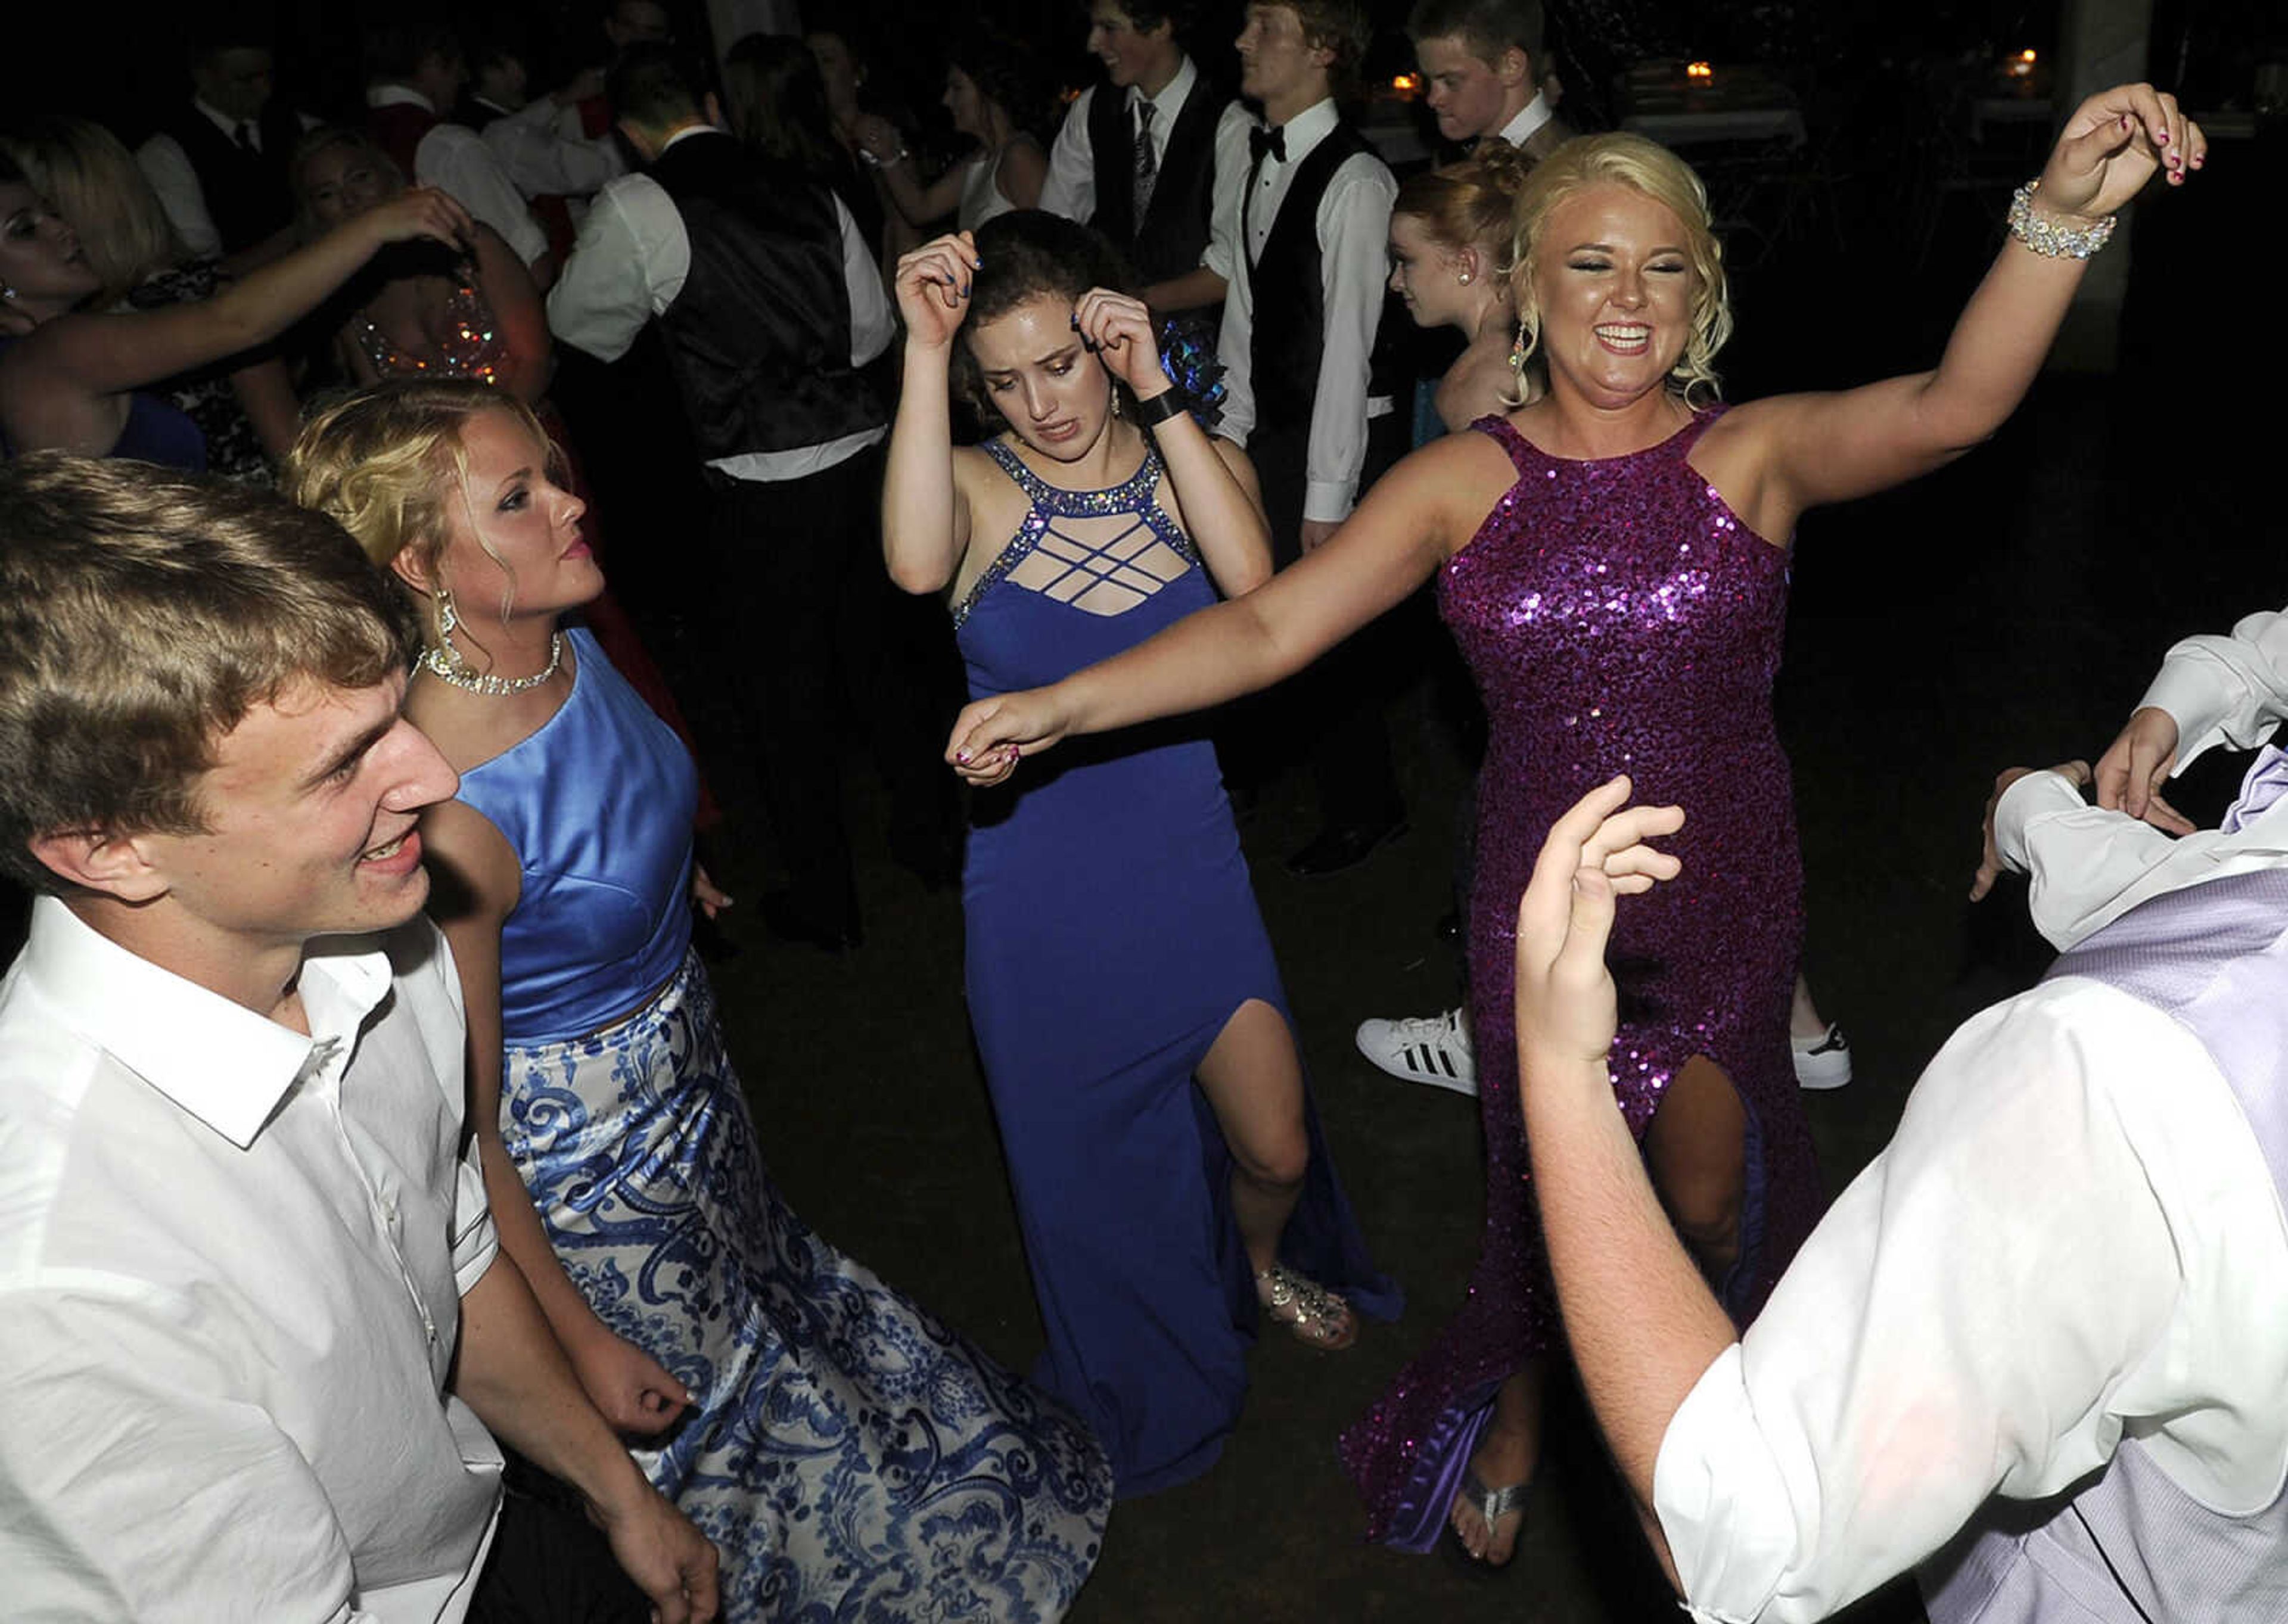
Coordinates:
1619 618
471 345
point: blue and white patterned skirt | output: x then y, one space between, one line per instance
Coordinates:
851 1457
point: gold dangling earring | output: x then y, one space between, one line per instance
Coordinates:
1517 352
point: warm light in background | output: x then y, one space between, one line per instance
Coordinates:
1698 71
1407 85
2022 66
2026 56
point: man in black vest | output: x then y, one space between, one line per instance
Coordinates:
1298 341
1155 158
768 306
219 161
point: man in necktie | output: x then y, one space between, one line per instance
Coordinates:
1154 158
1306 395
1484 62
219 161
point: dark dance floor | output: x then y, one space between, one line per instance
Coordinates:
2008 610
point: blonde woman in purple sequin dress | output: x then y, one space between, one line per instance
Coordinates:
1613 560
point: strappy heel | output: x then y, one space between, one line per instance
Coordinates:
1318 1318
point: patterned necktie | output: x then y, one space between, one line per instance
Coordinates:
1147 167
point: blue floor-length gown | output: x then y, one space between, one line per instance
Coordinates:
1112 933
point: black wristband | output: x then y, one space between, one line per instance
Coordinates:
1168 403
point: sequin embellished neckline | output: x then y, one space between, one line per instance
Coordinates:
1691 425
1002 452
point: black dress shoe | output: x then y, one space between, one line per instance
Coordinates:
790 922
1341 846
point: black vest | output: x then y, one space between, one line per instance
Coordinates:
758 338
246 194
1175 226
1289 303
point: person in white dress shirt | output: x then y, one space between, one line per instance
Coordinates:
2073 1241
1180 238
789 427
1483 63
415 73
1303 393
218 162
254 1325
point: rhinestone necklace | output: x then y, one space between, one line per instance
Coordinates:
446 663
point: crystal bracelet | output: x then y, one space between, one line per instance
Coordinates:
2045 236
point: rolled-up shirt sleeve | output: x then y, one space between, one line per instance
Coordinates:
628 265
1963 1321
2225 690
168 168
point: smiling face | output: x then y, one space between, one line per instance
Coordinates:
343 180
311 809
1612 281
512 531
1038 375
1277 66
1471 95
41 263
1132 56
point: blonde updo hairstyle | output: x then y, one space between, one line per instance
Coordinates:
387 464
1624 159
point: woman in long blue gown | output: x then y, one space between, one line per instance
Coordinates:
1170 1177
850 1456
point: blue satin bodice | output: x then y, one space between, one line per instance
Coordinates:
596 806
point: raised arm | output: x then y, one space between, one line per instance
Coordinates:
924 516
1832 447
1215 483
1410 521
893 161
55 378
478 884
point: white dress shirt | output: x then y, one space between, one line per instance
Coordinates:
168 168
456 160
2225 690
1530 118
1353 230
1070 189
632 258
2073 1236
231 1263
546 150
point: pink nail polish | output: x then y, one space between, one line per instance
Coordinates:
961 758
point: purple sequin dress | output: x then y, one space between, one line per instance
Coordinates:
1619 618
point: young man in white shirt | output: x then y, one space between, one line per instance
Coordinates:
253 1322
2064 1280
1153 157
217 162
1305 394
415 73
1482 63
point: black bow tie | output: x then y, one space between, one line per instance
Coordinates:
1273 140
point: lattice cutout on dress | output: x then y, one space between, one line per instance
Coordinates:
1104 566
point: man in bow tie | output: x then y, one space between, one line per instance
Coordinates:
1310 397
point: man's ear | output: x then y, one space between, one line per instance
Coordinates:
95 860
1513 68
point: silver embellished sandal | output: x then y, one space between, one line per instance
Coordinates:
1492 1505
1318 1318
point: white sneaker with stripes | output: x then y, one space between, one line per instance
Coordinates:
1427 1049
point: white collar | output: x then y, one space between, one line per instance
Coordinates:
224 121
218 1060
397 96
1308 128
685 134
1530 118
1170 101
